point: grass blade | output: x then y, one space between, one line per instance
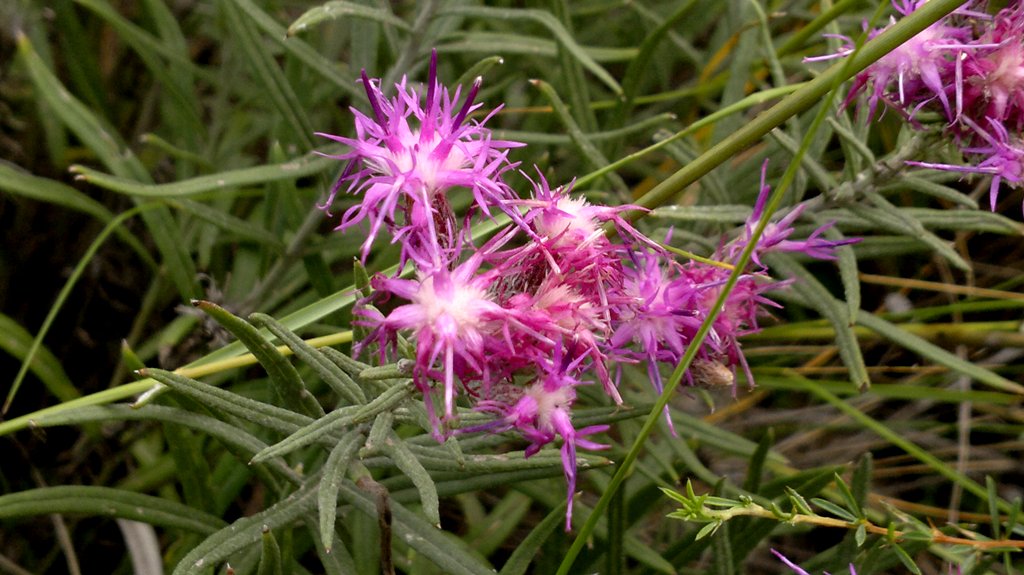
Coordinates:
107 502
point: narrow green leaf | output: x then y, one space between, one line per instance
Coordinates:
312 433
478 70
239 442
846 259
334 376
851 140
50 191
288 384
572 79
192 468
861 480
263 414
107 502
722 561
130 358
718 214
333 472
352 367
268 74
860 535
817 172
919 184
932 352
851 502
756 467
270 555
816 295
905 559
440 547
487 42
900 441
303 166
242 228
799 503
18 342
94 132
28 358
545 19
340 9
178 86
640 126
707 530
247 531
380 433
108 146
589 151
894 220
339 75
483 464
411 467
993 505
641 64
385 402
527 549
488 533
834 509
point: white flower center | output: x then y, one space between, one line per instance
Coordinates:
549 401
461 306
573 218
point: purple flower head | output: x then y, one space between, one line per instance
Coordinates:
738 316
563 220
993 72
776 234
450 314
1004 158
652 315
543 412
412 150
913 72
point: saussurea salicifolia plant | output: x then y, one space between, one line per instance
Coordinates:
572 354
516 323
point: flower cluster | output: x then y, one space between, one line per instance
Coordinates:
513 326
969 68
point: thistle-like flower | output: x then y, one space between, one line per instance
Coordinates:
977 61
542 412
409 153
449 314
775 236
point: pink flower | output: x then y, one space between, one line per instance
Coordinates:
406 157
1004 158
775 236
450 315
993 72
542 413
915 72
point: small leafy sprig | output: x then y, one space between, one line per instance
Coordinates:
714 511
